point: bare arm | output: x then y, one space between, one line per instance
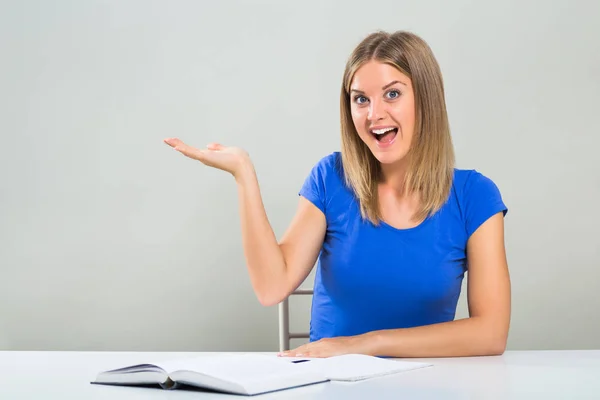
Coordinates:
275 269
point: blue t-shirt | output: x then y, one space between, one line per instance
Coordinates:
379 277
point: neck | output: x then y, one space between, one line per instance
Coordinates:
394 175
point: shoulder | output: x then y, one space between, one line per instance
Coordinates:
328 170
469 181
325 180
478 196
330 163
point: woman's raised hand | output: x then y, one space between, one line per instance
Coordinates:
230 159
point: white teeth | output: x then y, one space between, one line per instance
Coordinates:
381 131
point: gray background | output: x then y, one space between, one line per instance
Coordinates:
110 240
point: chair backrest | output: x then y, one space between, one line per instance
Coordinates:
284 321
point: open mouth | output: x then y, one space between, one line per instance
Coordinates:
384 135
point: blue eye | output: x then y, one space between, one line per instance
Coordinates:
394 91
357 99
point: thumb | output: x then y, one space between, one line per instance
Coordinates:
215 146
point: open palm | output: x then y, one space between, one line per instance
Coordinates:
230 159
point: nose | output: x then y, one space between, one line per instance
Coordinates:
376 111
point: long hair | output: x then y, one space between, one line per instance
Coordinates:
431 156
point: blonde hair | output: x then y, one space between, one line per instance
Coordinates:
431 156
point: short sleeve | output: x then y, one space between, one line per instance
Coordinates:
482 200
313 188
323 181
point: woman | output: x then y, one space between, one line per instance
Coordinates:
393 224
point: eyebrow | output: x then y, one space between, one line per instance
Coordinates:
383 88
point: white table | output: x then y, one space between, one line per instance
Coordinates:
514 375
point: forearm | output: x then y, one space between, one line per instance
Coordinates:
264 258
474 336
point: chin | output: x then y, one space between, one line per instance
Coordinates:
389 157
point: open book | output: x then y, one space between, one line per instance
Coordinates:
250 373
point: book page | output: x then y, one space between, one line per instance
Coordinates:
239 368
354 367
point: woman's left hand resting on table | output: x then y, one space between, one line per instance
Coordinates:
330 347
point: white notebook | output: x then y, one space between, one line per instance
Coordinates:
250 374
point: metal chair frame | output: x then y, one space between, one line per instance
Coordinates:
284 321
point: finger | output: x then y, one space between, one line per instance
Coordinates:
173 142
293 354
287 353
191 152
185 149
297 352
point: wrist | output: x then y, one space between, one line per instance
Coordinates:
370 343
245 172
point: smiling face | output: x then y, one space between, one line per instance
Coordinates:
383 110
